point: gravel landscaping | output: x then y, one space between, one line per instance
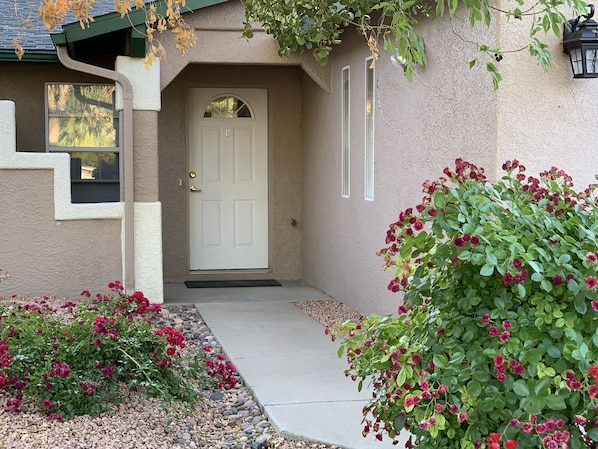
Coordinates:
225 419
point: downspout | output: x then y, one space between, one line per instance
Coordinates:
127 150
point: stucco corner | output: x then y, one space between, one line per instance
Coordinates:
7 127
145 82
322 75
148 250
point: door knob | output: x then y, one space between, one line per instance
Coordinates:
194 189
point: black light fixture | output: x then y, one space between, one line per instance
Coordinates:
580 42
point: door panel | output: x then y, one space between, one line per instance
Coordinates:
211 155
212 224
228 211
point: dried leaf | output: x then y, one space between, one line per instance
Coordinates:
18 48
52 12
81 9
373 46
123 7
184 38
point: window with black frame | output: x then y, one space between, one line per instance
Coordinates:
82 120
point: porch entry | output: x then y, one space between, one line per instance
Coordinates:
228 179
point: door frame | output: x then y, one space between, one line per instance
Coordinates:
237 92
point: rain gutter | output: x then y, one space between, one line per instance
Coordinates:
127 150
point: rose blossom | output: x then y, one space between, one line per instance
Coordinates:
504 336
459 242
557 280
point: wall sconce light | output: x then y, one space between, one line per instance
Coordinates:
397 60
580 42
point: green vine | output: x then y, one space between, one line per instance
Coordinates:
317 25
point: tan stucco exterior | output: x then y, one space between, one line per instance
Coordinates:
546 119
219 31
48 257
420 127
44 255
145 136
448 111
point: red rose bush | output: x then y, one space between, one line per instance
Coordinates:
77 358
496 342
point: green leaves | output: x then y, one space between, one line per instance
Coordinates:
487 270
499 322
73 360
555 402
319 24
520 388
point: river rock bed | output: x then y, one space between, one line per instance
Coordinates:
224 419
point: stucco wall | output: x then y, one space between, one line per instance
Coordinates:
145 138
48 245
420 127
546 119
284 103
219 40
44 256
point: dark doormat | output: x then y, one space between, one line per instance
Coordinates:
222 284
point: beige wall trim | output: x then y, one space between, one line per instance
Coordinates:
148 250
145 82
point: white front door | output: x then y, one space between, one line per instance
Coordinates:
228 179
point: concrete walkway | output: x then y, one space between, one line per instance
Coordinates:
285 358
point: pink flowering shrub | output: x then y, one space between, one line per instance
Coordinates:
75 362
496 342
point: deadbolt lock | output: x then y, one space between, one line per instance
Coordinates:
192 174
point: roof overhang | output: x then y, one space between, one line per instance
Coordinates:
112 22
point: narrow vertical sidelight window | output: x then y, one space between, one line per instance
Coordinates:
369 129
346 127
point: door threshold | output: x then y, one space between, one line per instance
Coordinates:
225 272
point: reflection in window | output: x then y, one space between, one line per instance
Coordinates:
346 127
369 129
227 107
94 165
82 121
81 116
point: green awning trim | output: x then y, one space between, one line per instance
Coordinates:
113 22
31 56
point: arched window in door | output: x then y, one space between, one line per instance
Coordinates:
227 106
